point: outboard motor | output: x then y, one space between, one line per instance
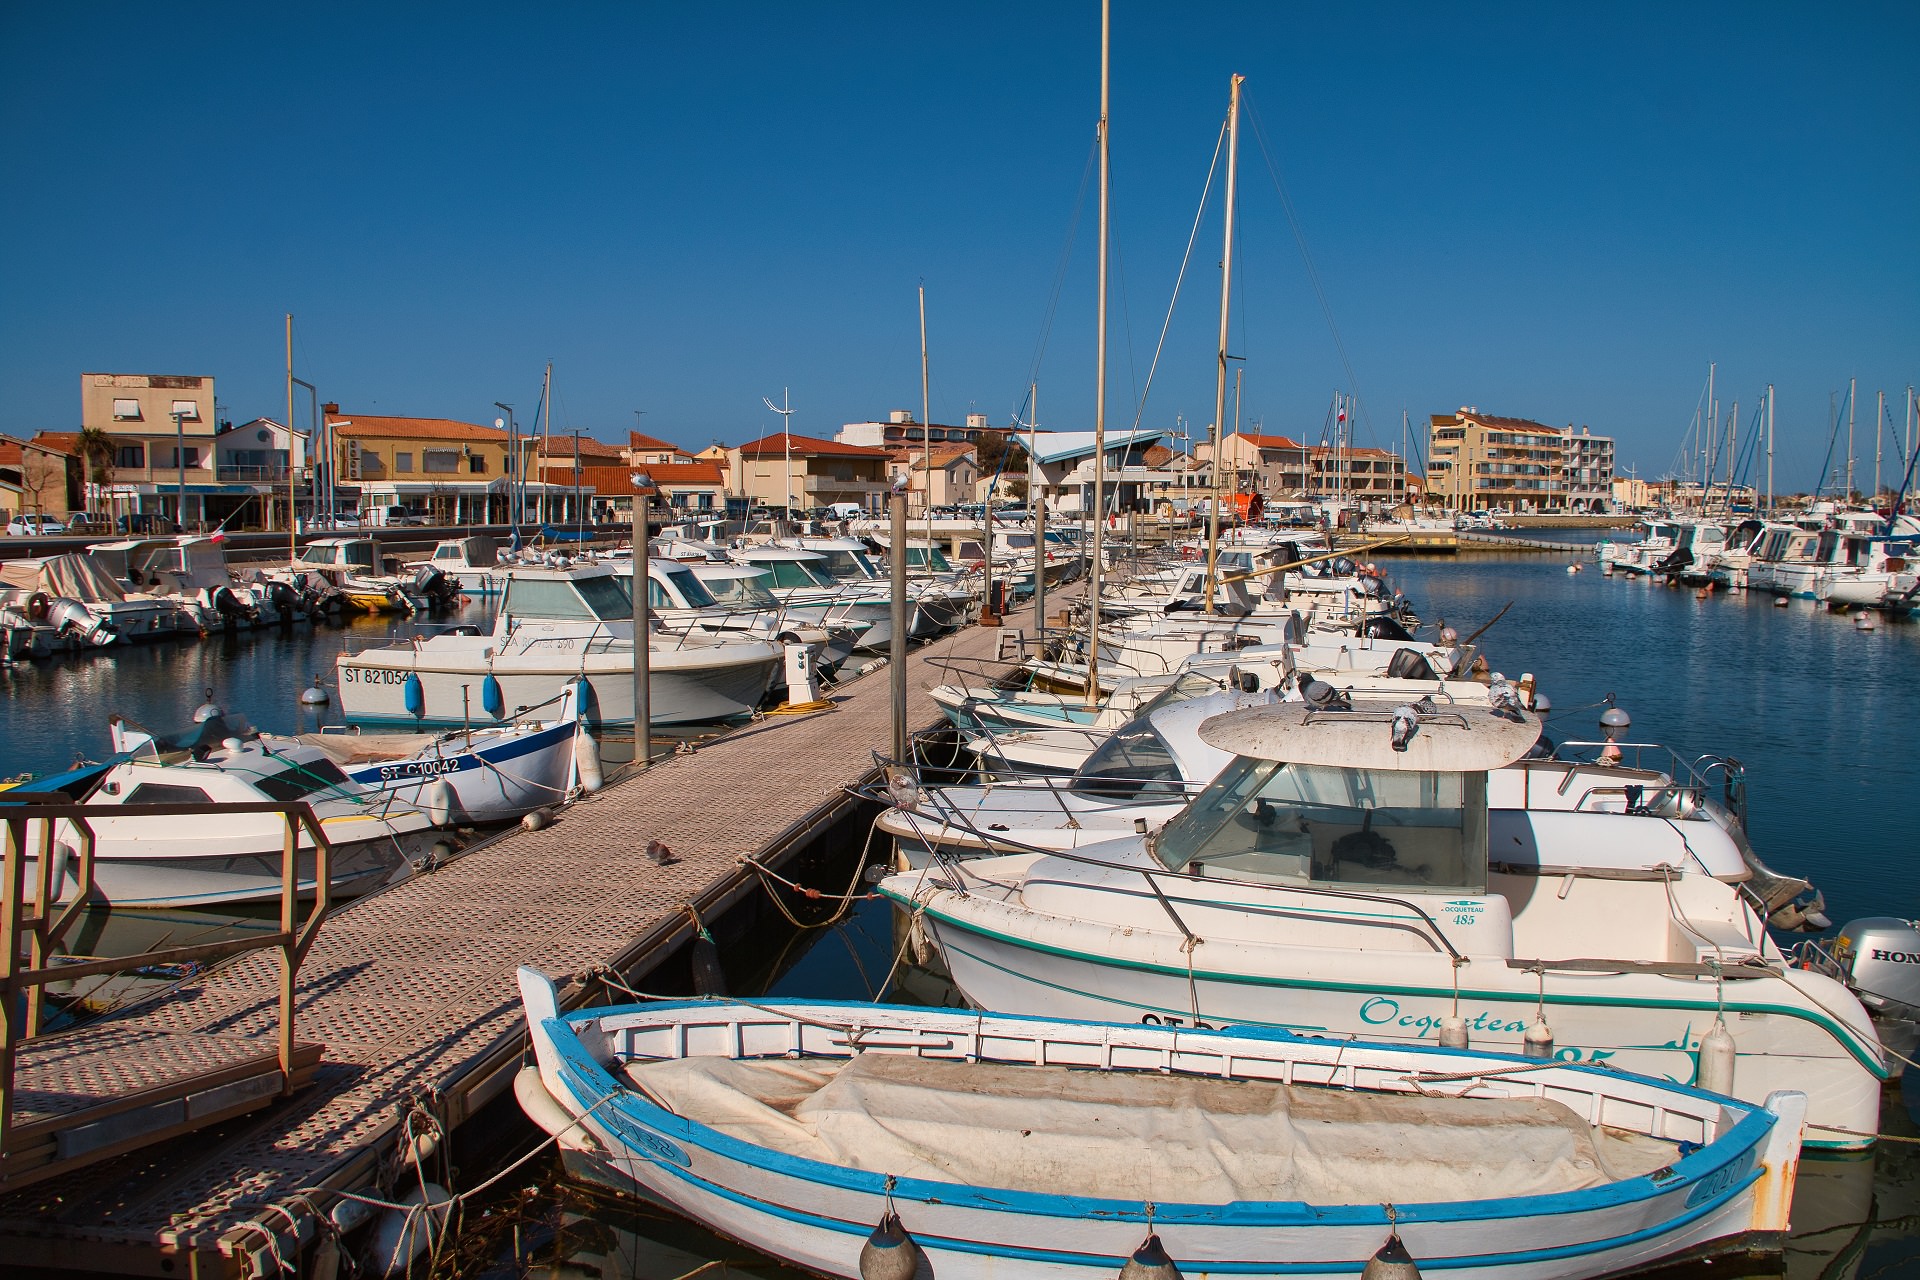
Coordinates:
70 617
1674 563
440 590
233 610
1878 958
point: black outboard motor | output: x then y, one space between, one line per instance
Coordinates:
441 591
1410 664
1675 562
1382 626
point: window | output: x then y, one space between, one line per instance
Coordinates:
163 793
579 598
130 455
403 462
126 410
440 461
187 457
477 464
1134 762
300 780
187 409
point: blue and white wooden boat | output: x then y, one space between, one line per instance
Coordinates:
496 773
844 1137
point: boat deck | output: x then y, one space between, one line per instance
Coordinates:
412 990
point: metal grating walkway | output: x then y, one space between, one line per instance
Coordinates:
408 988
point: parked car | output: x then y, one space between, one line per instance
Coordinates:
396 516
89 522
27 524
146 522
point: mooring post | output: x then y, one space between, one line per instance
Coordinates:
642 647
898 575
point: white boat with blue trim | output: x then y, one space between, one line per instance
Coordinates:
1343 875
848 1138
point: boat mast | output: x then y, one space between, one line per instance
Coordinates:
1769 451
1100 377
926 428
293 521
1879 417
546 441
1852 387
1220 364
1037 500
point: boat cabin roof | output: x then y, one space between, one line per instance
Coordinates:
1454 739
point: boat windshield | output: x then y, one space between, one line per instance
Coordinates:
845 564
1020 541
742 592
1135 763
794 573
688 587
1187 686
1324 825
302 779
928 558
599 598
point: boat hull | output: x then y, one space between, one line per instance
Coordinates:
494 781
819 1215
128 880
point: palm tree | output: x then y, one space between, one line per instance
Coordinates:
96 458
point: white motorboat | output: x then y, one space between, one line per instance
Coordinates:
861 1140
491 774
679 596
147 860
827 586
1343 875
472 563
554 626
369 581
77 598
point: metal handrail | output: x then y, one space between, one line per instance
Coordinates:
23 979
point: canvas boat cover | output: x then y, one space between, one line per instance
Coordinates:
367 748
1145 1136
73 576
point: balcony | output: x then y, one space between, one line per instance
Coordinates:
239 473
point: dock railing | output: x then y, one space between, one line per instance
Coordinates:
59 842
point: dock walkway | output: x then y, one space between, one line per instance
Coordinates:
412 990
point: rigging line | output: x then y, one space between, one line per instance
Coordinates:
1186 260
1306 258
1066 258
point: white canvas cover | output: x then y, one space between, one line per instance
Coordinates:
1141 1136
73 576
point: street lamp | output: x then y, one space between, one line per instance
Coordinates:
513 464
180 460
642 649
785 410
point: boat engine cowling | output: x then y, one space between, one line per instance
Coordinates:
1879 957
70 616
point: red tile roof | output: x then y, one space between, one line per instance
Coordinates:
665 475
806 447
1488 420
368 426
651 444
561 447
1271 442
67 442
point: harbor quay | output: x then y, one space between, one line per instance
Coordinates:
407 999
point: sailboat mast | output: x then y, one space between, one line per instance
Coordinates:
1100 377
1879 417
293 522
926 427
1220 363
1769 451
1852 387
546 443
1037 500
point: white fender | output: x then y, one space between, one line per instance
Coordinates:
586 761
436 801
404 1234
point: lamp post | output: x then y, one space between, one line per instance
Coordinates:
785 410
642 650
180 460
514 463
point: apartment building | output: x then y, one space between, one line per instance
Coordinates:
161 426
1478 461
802 472
901 429
456 472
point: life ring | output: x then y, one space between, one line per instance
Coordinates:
39 604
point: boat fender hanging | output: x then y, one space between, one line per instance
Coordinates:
1716 1060
1537 1043
1150 1262
709 980
586 761
412 696
1453 1032
889 1253
1391 1262
436 801
492 700
404 1233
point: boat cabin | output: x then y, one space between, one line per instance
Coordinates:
845 559
790 570
1362 801
355 555
164 565
476 552
566 595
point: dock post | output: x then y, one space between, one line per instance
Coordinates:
897 573
642 647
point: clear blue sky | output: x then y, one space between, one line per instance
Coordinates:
1542 211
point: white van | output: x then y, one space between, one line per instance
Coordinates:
845 511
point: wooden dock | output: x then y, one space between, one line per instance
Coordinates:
412 992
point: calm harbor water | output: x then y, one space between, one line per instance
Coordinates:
1821 714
